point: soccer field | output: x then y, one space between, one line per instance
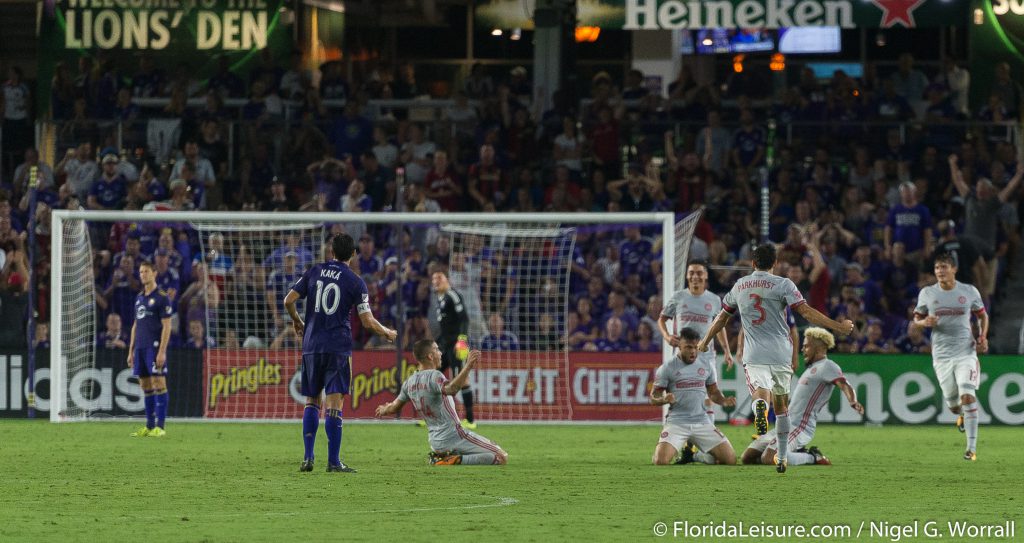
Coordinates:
240 482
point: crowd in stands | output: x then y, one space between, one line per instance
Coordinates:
859 200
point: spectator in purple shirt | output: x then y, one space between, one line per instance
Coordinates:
909 222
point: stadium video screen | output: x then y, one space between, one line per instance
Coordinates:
810 39
745 40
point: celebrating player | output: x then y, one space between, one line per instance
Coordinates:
327 343
683 383
810 395
431 395
453 340
695 308
147 350
761 299
946 308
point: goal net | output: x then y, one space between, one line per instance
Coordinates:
233 355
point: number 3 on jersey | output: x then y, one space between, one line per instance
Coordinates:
324 298
757 306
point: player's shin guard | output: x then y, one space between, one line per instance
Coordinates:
800 458
333 428
971 425
160 406
310 424
480 459
150 406
782 428
705 458
467 402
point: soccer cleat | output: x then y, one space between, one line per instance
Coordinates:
141 432
686 455
761 417
340 468
819 458
436 456
780 466
960 423
421 423
450 460
468 425
307 465
157 432
971 456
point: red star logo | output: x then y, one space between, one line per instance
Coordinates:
897 11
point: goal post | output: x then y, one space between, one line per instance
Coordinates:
83 389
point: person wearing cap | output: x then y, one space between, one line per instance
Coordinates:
110 189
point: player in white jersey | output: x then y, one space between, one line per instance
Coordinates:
946 308
761 299
431 394
695 308
811 394
683 383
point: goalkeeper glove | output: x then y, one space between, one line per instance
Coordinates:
462 347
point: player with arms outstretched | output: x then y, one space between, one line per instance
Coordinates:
331 289
811 394
683 383
453 339
431 394
761 299
147 350
695 308
946 308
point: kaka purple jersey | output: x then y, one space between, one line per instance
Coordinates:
331 289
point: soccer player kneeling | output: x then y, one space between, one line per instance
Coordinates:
811 394
683 382
431 394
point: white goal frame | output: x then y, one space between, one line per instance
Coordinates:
58 392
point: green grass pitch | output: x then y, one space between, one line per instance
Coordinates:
240 482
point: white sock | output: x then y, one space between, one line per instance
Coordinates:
478 459
800 458
782 429
970 412
705 458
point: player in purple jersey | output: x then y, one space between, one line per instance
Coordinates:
946 308
147 350
431 394
331 289
761 299
810 396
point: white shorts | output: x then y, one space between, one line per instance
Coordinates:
957 377
771 441
773 377
467 443
705 436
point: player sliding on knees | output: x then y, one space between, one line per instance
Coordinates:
946 308
683 382
431 394
761 299
331 289
810 395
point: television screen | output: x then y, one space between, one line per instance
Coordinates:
825 70
746 40
686 43
810 39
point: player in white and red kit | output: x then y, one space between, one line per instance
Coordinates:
695 308
683 382
946 308
761 299
431 394
811 395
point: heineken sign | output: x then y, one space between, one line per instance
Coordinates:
697 14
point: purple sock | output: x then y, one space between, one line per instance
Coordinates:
333 428
161 408
310 422
150 403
